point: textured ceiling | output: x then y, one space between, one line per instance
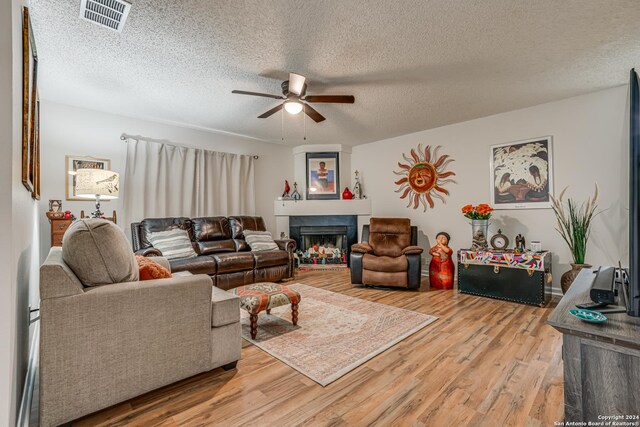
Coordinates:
411 65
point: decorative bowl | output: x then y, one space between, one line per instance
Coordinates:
588 315
55 215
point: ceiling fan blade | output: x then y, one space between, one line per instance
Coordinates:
296 83
311 112
339 99
266 95
271 112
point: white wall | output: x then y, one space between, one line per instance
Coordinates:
18 252
67 130
589 146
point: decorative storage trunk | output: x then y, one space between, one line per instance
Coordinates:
523 278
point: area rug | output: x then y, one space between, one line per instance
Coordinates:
335 334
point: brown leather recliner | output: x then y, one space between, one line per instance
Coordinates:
388 255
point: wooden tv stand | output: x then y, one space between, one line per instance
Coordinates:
601 361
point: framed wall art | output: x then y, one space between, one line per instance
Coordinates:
323 176
30 162
79 162
522 174
35 158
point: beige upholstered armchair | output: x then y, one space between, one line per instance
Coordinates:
388 255
107 337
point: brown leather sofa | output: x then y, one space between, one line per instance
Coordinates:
222 251
388 255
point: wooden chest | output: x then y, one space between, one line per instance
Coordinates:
523 278
58 228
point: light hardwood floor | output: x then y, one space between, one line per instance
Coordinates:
483 363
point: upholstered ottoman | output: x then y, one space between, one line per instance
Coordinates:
265 296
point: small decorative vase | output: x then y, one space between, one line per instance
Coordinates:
346 194
568 277
479 232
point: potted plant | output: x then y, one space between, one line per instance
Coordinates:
574 225
479 216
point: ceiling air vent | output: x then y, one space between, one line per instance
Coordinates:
110 14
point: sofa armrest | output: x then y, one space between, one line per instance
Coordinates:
127 338
288 245
362 248
162 261
412 250
414 272
148 252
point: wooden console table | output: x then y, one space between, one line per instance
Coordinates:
601 361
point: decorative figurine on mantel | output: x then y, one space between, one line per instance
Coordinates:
287 188
357 188
295 195
441 268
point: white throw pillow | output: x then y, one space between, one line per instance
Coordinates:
174 244
260 240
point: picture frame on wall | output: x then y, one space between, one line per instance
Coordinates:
30 106
73 163
522 174
35 158
323 176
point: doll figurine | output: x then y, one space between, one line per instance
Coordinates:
441 268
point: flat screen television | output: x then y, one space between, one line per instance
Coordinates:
633 284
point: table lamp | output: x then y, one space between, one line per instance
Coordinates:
98 184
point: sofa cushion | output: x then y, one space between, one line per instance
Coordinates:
385 263
241 245
98 253
215 246
271 258
150 270
199 265
225 308
260 240
389 236
232 262
174 244
152 225
240 223
211 228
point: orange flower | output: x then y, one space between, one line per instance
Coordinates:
467 209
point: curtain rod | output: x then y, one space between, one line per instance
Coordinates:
126 136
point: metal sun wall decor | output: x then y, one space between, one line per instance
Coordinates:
424 177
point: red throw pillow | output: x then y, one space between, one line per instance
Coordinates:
150 270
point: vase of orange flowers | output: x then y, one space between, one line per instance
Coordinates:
479 216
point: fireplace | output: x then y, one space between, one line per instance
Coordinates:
324 239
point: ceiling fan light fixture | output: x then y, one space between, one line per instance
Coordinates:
293 107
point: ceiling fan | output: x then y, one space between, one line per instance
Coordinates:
294 94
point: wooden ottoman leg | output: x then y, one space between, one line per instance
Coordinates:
294 314
254 326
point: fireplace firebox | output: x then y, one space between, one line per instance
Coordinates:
324 240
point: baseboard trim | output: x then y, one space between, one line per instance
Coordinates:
24 416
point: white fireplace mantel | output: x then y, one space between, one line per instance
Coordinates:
322 207
283 209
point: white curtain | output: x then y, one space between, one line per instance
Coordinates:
165 180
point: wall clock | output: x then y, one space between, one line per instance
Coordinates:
499 241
